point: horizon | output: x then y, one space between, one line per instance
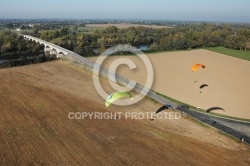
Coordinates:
123 21
180 10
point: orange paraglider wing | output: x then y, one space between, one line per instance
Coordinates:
196 66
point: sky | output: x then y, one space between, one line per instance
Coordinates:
190 10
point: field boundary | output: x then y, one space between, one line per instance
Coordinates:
240 54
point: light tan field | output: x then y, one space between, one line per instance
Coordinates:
227 78
122 26
35 101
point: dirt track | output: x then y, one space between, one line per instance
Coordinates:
227 78
35 128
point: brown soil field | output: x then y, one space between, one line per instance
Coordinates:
35 101
122 26
227 78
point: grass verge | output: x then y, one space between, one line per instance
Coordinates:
231 52
201 110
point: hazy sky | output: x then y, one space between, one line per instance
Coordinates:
198 10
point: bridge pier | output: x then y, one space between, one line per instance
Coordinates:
53 53
47 51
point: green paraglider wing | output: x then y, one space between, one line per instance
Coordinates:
115 96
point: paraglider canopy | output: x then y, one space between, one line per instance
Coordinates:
197 66
203 85
115 96
214 108
165 106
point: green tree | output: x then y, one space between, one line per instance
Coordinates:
102 48
64 31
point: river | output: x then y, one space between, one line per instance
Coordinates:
142 47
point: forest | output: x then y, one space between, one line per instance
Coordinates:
176 38
16 51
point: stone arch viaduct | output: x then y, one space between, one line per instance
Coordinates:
49 48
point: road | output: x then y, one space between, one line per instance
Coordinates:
235 128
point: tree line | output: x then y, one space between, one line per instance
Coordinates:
186 36
161 39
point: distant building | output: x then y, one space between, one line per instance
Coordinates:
18 29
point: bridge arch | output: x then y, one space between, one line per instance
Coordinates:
60 55
53 53
39 42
